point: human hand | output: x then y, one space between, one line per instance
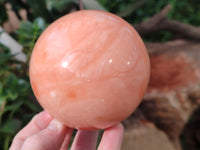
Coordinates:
45 133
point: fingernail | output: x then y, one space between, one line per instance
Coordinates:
45 116
55 125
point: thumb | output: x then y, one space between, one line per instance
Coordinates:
50 138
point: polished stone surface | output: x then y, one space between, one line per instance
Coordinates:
89 69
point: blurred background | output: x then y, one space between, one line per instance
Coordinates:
169 116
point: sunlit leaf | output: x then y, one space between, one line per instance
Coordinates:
28 32
131 8
11 94
39 23
93 4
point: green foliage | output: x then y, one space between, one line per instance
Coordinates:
130 8
28 32
3 14
188 11
17 103
60 5
15 93
39 9
116 6
93 4
182 10
10 127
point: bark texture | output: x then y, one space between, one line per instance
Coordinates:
174 87
159 22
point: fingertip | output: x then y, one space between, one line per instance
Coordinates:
112 138
118 127
44 116
51 137
38 123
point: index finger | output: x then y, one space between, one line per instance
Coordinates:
38 123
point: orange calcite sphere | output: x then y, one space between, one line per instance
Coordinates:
89 69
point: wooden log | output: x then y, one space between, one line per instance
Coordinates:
145 136
173 92
159 22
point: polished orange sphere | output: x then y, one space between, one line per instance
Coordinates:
89 69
